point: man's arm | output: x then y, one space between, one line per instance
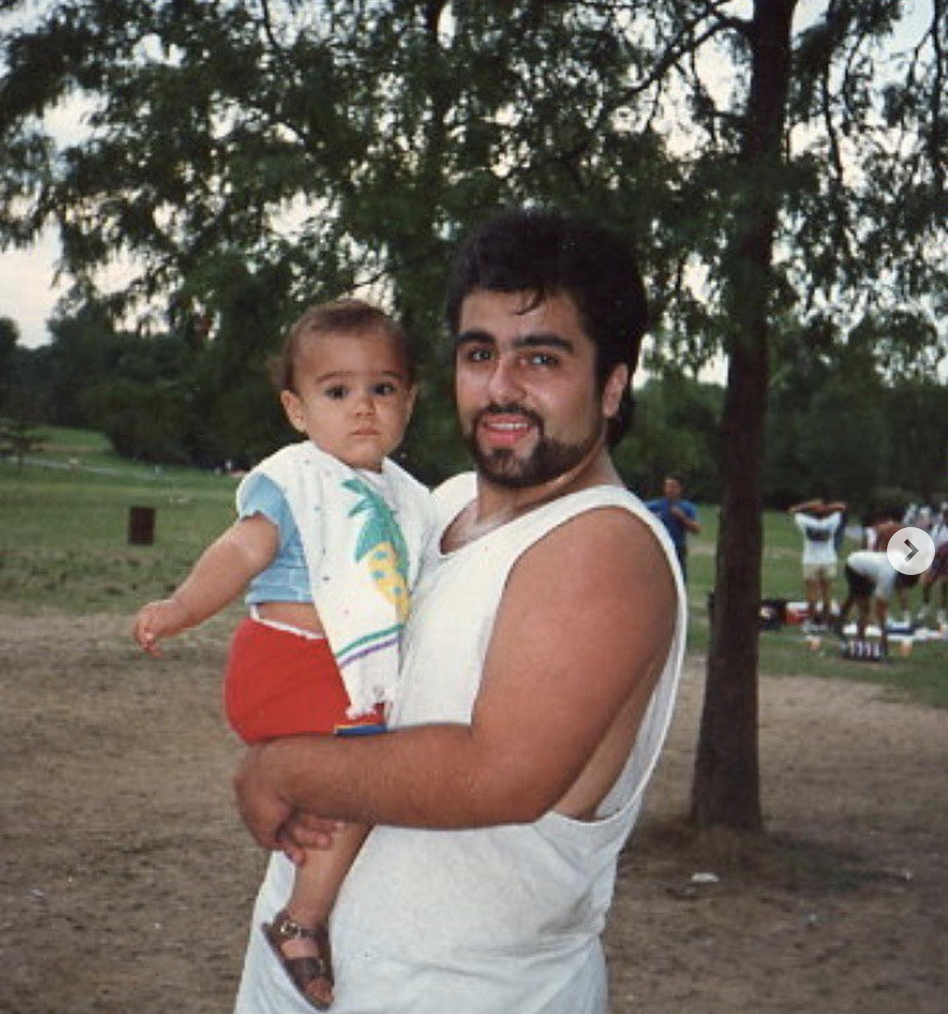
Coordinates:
579 640
686 515
806 505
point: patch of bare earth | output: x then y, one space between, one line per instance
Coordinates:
126 879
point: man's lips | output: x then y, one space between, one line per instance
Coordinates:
504 429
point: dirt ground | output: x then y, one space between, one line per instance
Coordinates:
126 879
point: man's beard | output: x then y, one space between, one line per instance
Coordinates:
548 460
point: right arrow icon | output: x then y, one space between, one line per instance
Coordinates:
910 550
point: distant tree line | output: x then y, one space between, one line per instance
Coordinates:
837 423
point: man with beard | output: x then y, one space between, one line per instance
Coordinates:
539 670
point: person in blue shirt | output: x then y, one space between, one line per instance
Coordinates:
679 516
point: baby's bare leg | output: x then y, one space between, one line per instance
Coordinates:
318 880
315 886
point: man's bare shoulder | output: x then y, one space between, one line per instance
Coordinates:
605 550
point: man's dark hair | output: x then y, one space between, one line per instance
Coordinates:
546 253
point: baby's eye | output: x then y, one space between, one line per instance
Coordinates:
337 392
384 388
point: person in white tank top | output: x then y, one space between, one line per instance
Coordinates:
541 664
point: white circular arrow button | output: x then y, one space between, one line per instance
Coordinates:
910 550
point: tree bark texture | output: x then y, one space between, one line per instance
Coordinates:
726 787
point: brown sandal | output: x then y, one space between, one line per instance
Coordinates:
303 971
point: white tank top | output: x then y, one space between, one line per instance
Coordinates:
499 919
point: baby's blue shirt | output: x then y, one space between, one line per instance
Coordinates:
286 579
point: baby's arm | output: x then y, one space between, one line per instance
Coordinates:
218 577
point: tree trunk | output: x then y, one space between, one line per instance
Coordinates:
726 787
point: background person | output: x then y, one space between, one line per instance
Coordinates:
541 664
679 516
329 538
871 580
820 523
888 521
936 574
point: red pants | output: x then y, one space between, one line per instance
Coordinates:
278 683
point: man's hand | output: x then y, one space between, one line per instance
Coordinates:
307 832
262 807
690 524
269 817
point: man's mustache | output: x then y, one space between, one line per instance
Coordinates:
511 408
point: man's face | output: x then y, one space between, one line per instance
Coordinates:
672 489
527 397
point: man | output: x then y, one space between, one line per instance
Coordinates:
539 670
679 516
871 579
876 538
937 573
819 523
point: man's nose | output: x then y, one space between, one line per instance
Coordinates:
504 385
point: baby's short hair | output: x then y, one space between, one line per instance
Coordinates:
346 317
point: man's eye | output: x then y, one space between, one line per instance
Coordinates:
478 355
542 359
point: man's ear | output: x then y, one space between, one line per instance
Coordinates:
616 384
293 408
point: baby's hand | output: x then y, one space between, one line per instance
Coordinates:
163 618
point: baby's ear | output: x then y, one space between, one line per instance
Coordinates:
293 407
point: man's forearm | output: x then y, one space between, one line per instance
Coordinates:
431 776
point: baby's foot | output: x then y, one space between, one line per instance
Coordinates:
305 955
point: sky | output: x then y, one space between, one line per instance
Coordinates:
27 292
28 289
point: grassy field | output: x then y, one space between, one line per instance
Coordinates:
64 536
64 547
924 675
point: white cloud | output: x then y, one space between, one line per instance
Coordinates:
27 292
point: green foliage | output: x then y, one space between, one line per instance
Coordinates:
9 336
676 430
85 350
255 158
18 439
844 419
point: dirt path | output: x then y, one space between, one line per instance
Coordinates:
126 879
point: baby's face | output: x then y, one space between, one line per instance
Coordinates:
353 396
